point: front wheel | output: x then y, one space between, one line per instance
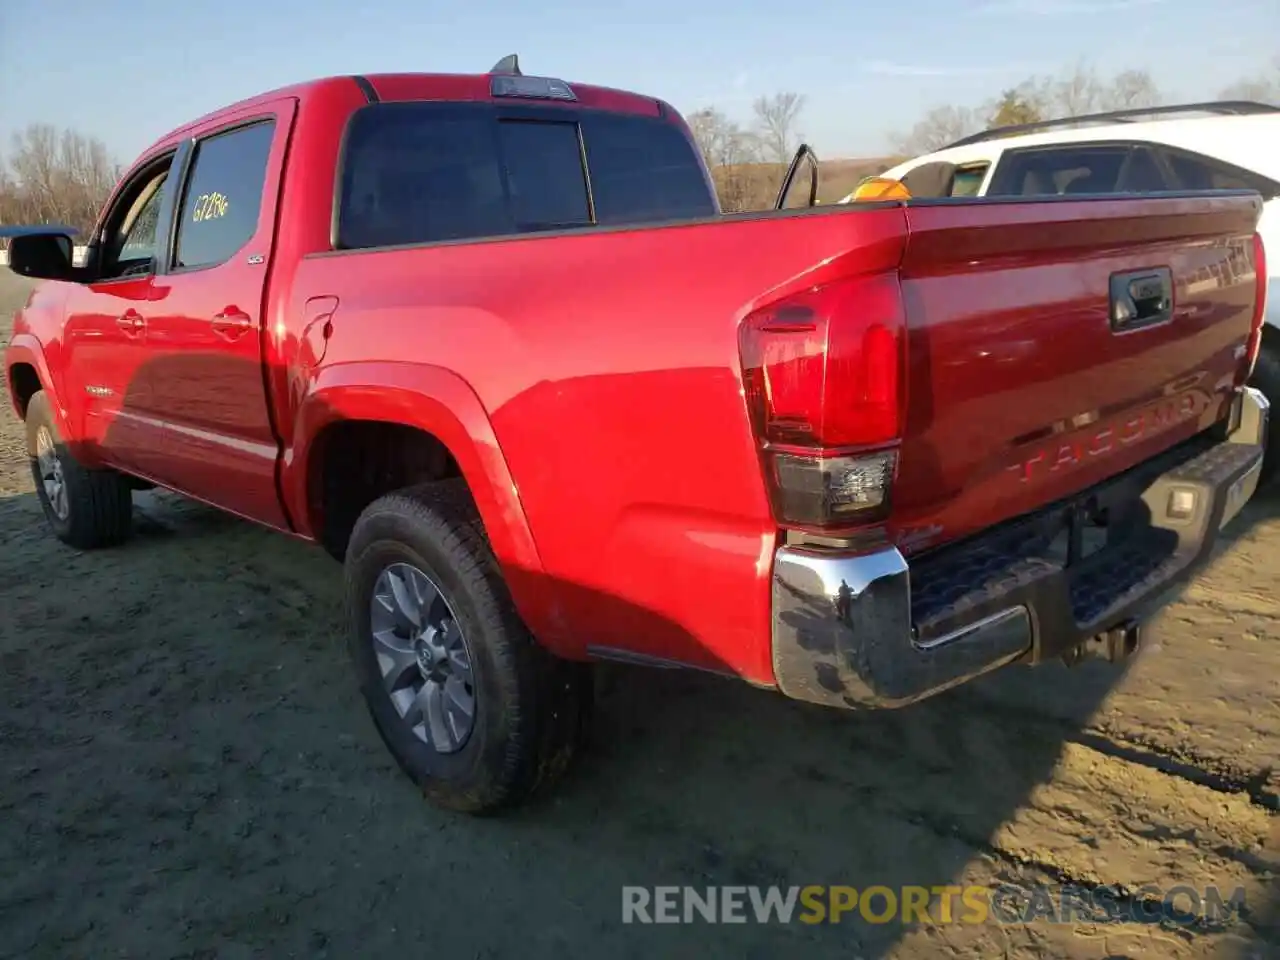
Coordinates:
86 508
1266 377
472 708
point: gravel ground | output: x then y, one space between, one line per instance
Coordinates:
186 771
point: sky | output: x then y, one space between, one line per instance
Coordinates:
128 71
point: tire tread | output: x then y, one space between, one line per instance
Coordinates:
1266 377
100 500
546 716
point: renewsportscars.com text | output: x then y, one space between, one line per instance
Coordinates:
1005 904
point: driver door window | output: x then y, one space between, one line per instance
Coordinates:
130 238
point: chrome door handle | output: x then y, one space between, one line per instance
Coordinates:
131 322
232 324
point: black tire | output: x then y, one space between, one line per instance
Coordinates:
531 708
99 502
1266 377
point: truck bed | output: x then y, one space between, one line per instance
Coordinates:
609 363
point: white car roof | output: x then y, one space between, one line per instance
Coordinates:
1251 142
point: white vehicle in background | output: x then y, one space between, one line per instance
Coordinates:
1231 145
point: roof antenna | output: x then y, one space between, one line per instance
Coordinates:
509 64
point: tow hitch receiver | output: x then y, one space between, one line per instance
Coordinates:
1114 645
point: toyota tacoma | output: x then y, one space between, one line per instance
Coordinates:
489 341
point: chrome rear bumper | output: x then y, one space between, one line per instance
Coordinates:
848 631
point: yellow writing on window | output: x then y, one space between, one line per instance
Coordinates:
210 206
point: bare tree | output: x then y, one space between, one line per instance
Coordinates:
55 176
1081 90
1131 89
733 156
941 125
1076 93
1264 87
776 125
722 141
1014 107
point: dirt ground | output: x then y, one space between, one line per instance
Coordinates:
186 771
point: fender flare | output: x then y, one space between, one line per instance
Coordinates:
431 399
25 348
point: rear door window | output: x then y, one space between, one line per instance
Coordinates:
223 195
428 172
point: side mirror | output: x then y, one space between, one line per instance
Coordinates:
804 157
42 255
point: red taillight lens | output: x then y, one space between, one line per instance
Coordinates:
824 377
823 368
1260 303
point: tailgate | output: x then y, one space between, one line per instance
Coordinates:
1025 385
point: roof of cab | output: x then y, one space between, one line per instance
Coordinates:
415 86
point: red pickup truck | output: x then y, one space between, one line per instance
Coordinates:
489 340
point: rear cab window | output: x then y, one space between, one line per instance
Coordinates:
423 172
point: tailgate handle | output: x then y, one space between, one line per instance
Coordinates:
1141 298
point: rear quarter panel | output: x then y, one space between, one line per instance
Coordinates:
608 366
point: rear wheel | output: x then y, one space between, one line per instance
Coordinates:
86 508
1266 377
471 707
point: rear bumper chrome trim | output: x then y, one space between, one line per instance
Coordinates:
843 632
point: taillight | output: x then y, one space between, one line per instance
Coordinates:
825 384
1260 303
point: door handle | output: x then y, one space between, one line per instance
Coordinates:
232 324
131 322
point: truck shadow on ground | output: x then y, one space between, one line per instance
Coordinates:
229 794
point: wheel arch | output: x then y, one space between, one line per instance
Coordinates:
27 371
438 412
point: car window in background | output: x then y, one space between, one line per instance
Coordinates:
1196 174
223 195
968 180
1142 174
423 172
1060 170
